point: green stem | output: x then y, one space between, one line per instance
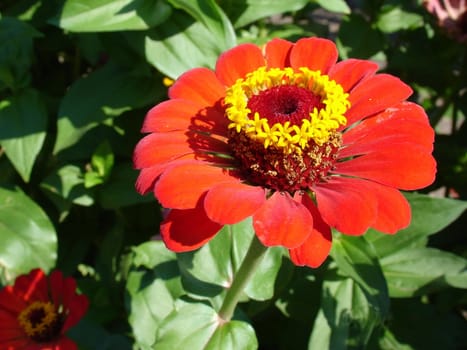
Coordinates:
253 258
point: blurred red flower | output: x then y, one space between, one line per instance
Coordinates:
451 15
287 135
37 310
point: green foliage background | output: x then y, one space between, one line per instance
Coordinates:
76 79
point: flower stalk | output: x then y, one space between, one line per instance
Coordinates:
253 258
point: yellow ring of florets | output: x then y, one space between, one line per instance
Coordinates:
50 316
319 127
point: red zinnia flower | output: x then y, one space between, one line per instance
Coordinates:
37 310
290 137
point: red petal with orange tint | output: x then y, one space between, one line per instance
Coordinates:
350 72
237 62
345 205
405 122
314 251
314 53
375 94
409 168
181 186
173 115
394 212
282 221
229 203
147 177
186 230
159 148
199 85
277 53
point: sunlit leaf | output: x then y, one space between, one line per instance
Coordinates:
339 6
23 124
154 277
243 12
417 271
27 237
111 15
197 326
393 19
182 44
212 17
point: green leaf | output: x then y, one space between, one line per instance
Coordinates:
429 215
346 318
197 326
393 18
27 237
417 271
16 52
153 285
111 15
102 162
338 6
243 12
210 270
23 124
183 43
212 17
356 258
233 335
358 39
66 186
103 94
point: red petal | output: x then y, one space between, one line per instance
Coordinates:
159 148
185 230
314 53
63 344
229 203
181 186
187 115
32 286
314 251
11 302
406 122
394 212
282 221
277 53
375 94
237 62
199 85
345 205
408 169
147 177
350 72
77 306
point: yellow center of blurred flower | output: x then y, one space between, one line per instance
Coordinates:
286 110
41 321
